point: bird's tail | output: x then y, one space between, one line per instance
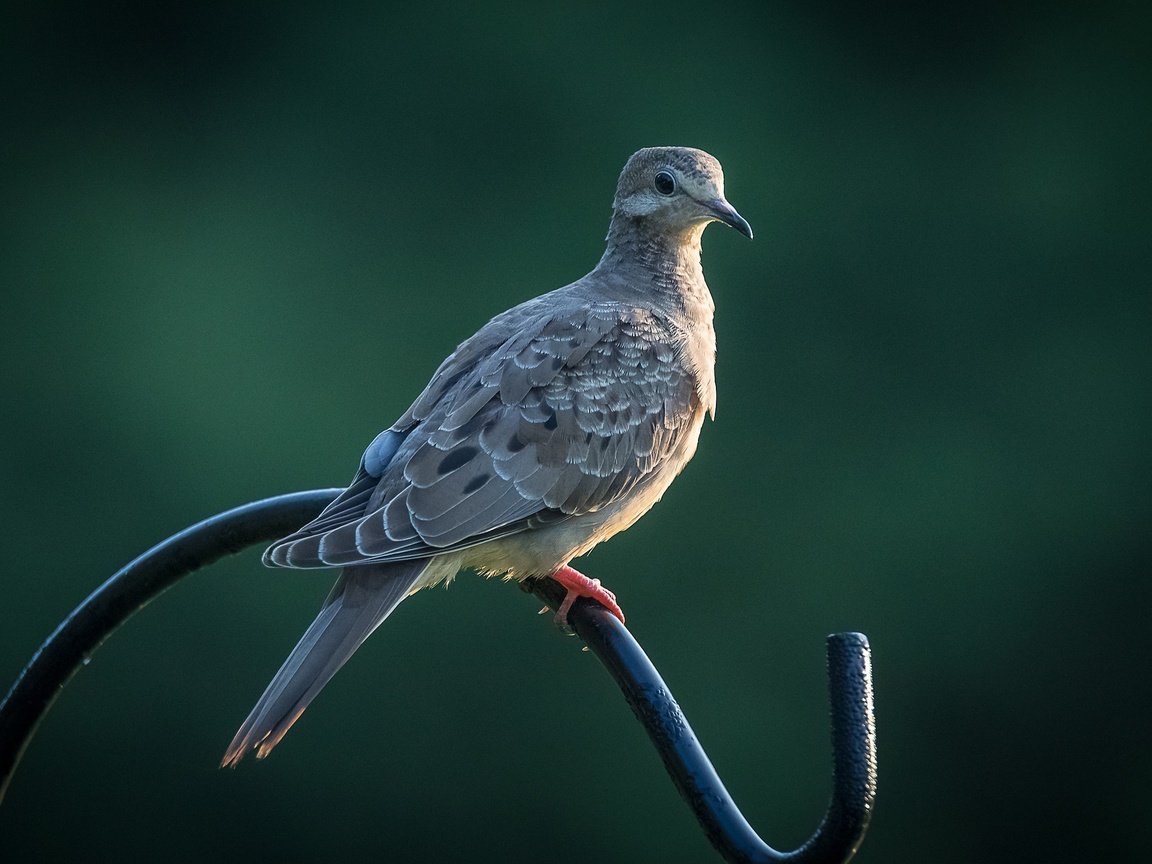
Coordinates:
359 602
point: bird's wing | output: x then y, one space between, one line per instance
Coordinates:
564 416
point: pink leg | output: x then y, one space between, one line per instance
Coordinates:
579 585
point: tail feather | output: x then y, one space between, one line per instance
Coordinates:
360 601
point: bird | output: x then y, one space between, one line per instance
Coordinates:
554 427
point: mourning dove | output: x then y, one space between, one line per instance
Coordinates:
559 424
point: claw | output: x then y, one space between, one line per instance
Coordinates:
579 585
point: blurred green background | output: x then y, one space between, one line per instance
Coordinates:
236 239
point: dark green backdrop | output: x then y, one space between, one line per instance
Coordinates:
235 240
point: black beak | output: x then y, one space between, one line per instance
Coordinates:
724 212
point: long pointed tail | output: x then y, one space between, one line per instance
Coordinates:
360 601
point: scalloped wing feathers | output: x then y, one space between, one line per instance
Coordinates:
533 414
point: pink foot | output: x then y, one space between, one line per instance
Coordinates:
579 585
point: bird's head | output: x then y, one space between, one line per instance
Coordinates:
675 190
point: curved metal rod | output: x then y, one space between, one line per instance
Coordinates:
135 585
853 739
849 671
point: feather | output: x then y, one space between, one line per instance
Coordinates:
360 601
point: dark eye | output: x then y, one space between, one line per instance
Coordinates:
665 183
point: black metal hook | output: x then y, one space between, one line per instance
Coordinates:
849 678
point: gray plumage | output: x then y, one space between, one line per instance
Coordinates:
558 424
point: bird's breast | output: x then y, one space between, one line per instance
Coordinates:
696 341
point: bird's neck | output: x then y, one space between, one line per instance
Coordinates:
669 259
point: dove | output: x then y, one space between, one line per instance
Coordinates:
557 425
